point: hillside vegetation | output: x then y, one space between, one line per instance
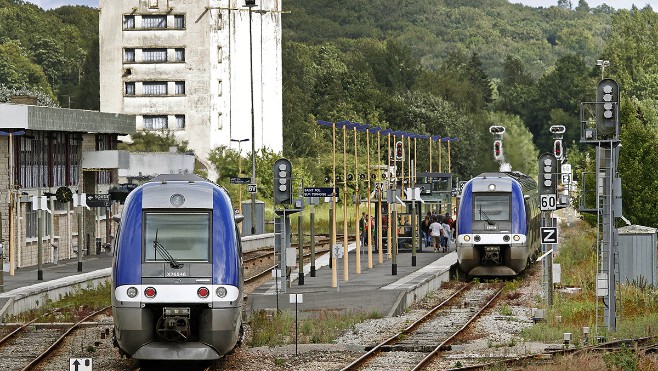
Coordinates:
441 67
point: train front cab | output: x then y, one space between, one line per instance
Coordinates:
492 228
185 309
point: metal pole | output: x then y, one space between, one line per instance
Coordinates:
345 236
357 203
380 241
300 241
39 242
388 200
334 269
312 240
12 235
393 248
369 245
253 129
80 239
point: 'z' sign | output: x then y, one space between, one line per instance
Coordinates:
548 235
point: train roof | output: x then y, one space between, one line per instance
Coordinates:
527 183
179 178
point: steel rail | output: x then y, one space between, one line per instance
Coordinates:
377 348
54 345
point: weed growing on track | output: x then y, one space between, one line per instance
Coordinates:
318 328
69 307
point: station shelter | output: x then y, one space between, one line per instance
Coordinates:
50 156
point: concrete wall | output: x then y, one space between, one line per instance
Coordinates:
216 71
156 163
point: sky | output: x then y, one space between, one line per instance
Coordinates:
617 4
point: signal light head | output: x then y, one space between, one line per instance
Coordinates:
498 149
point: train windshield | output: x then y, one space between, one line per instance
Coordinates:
491 207
183 237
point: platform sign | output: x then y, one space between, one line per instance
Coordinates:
548 202
460 186
296 298
251 188
98 200
238 180
566 179
338 251
80 364
548 235
319 192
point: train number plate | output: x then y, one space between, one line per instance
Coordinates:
176 274
490 227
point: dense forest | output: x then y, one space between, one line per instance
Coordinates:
441 67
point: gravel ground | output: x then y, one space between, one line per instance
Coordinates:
492 336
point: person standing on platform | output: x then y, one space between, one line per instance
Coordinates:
362 229
447 234
425 231
436 231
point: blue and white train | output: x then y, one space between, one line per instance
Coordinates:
177 276
498 224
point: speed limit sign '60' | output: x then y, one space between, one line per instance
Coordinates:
547 202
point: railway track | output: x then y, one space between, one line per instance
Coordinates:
26 347
419 344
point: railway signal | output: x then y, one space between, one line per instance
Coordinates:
282 182
547 182
399 150
607 107
557 149
498 149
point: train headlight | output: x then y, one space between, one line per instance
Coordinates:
177 200
221 292
150 292
517 238
467 238
132 292
492 187
203 292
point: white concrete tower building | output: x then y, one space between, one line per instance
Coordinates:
184 66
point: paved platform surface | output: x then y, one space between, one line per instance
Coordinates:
374 290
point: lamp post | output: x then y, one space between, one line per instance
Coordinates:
603 64
250 4
239 141
11 199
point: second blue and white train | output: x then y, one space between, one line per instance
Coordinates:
498 224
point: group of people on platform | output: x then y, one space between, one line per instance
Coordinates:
437 230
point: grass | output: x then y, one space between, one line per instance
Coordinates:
319 328
69 307
637 314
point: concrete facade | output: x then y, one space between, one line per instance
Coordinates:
193 65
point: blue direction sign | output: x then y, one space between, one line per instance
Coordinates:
237 180
319 192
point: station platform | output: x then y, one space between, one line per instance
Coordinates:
373 290
24 291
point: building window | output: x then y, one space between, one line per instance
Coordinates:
153 4
128 22
180 122
220 87
154 55
180 54
179 21
220 54
32 222
180 88
130 88
155 122
128 55
154 88
154 21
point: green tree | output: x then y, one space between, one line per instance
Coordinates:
18 71
87 94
